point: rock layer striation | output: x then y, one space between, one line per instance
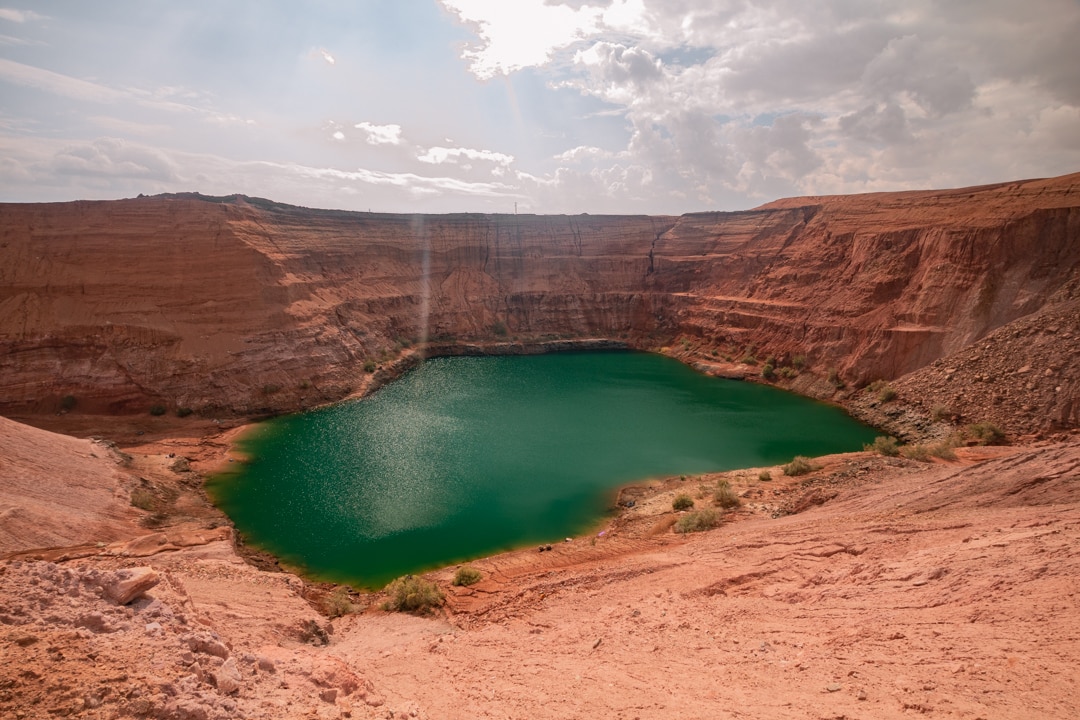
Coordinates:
239 305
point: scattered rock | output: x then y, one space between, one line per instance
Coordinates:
123 586
208 645
227 677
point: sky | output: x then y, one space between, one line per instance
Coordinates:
539 106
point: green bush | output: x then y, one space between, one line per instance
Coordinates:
764 476
985 433
270 389
799 466
835 380
338 603
183 412
466 576
884 446
768 372
413 594
725 496
157 410
788 373
682 502
499 328
369 366
697 521
798 362
886 395
68 403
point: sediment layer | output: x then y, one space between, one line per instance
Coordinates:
237 305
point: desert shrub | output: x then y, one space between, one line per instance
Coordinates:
338 603
799 466
985 433
943 450
834 379
768 372
748 359
924 452
940 413
798 362
142 499
884 446
916 452
68 402
725 496
369 366
466 576
157 410
413 594
887 394
270 389
682 502
183 412
787 373
764 476
499 328
697 521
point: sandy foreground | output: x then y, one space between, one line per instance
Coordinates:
873 588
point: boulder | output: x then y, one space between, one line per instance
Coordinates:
123 586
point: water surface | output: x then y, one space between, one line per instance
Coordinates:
472 455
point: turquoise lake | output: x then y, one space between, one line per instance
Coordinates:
467 456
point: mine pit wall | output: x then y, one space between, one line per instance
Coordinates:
247 307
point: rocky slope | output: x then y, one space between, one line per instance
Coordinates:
938 589
873 587
240 306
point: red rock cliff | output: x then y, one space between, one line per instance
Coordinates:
244 304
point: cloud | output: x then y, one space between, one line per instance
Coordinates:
381 134
520 34
439 155
56 83
626 71
327 57
111 157
411 181
20 16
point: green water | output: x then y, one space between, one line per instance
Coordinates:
468 456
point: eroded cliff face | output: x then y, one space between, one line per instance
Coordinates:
247 306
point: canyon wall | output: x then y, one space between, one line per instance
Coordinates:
239 305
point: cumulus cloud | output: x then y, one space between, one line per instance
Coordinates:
521 34
380 134
439 155
740 102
